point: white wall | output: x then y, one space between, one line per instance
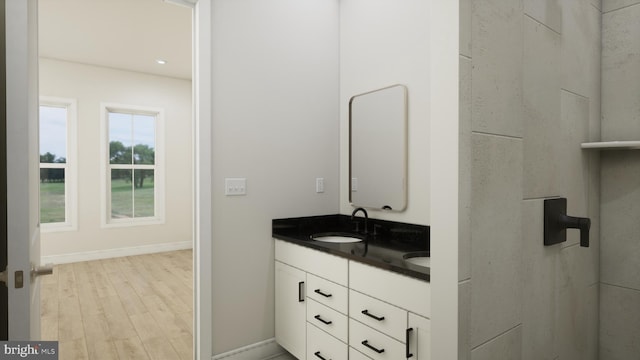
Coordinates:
91 85
276 122
382 43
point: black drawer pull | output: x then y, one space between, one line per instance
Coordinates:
366 312
300 294
317 353
317 291
317 317
408 334
366 343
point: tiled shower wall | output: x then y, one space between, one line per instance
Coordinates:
529 95
620 212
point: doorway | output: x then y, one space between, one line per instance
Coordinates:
74 75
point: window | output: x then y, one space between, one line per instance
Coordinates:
133 175
57 164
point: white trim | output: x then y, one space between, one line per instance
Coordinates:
159 166
444 143
266 349
70 166
203 174
113 253
186 3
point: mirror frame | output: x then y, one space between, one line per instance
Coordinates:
404 161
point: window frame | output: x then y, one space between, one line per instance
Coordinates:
70 166
159 166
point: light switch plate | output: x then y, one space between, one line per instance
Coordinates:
319 185
235 186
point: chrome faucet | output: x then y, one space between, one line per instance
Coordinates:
366 218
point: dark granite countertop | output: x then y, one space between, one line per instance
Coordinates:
384 249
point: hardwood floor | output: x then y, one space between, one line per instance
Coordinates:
136 307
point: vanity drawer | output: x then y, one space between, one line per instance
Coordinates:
321 345
317 262
377 314
319 315
356 355
328 293
406 292
374 344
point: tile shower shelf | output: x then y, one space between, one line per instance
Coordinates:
612 145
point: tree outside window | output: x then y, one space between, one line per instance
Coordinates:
57 166
132 144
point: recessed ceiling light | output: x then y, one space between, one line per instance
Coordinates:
161 62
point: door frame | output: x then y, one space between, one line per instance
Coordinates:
4 300
202 85
202 136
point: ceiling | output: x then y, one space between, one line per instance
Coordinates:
122 34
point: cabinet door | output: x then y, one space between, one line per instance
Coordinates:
290 309
419 337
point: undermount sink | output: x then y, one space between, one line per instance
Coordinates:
420 258
337 238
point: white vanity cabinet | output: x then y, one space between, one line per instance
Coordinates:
388 314
331 308
319 287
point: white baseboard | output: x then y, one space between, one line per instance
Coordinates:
262 350
113 253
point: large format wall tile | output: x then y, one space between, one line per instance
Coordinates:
580 47
581 56
593 205
620 228
541 86
619 323
547 12
621 74
464 193
576 307
539 286
496 242
573 171
497 66
464 312
465 28
611 5
505 346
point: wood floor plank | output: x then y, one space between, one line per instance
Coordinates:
103 285
146 326
159 348
172 323
183 345
96 328
155 303
49 328
169 297
131 349
70 320
49 300
73 350
136 307
130 300
102 350
66 282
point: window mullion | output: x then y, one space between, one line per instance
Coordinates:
133 170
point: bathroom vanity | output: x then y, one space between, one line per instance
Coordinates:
359 299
